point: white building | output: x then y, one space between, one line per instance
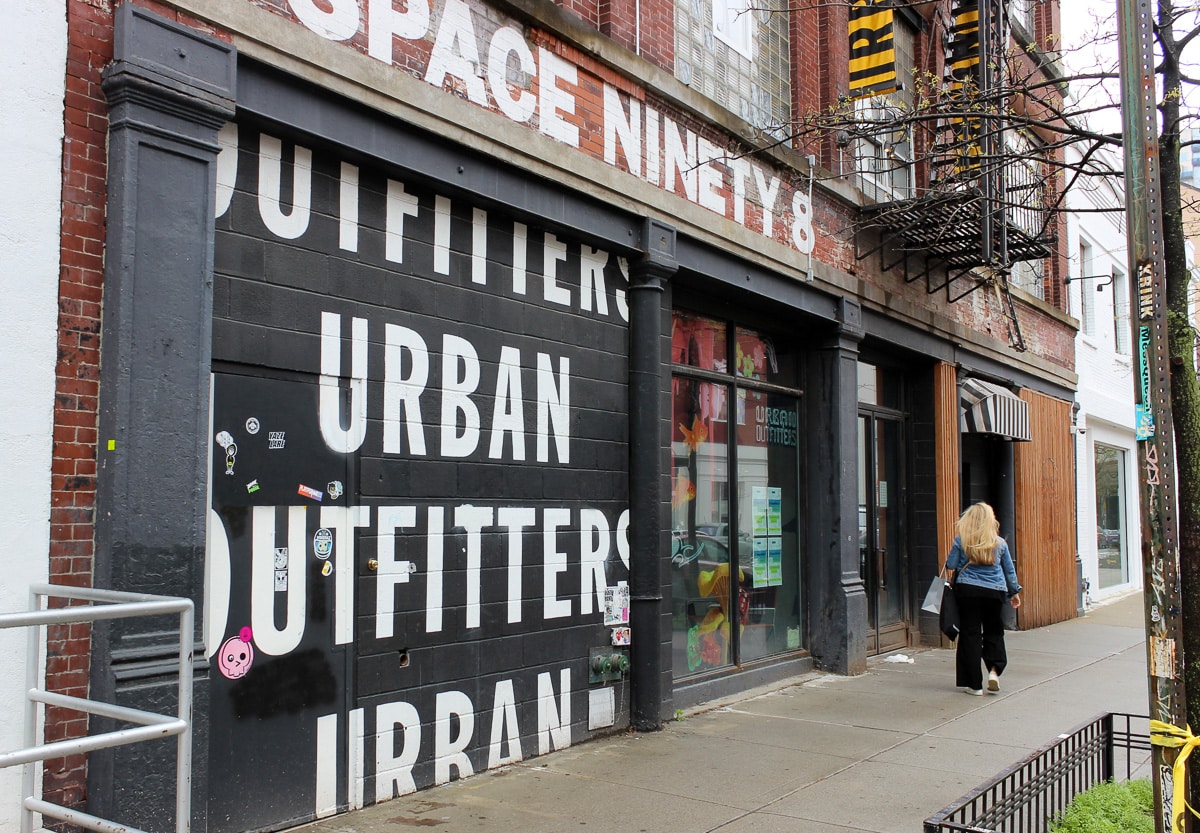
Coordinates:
1109 528
33 57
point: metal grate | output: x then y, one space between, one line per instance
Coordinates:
1025 797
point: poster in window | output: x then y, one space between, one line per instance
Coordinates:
774 562
758 509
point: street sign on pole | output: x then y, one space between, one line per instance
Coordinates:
1156 444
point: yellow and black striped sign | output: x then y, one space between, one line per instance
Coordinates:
872 49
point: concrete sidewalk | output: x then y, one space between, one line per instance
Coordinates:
877 752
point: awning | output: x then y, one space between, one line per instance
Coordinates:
991 409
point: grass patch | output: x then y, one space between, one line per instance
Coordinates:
1127 807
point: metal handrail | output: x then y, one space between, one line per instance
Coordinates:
105 604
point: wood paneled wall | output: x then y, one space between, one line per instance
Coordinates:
1045 489
946 465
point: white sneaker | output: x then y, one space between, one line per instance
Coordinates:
993 683
978 692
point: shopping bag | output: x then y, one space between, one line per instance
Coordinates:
933 597
1008 615
948 615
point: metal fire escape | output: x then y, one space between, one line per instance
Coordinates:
983 208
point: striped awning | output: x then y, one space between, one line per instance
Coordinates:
986 408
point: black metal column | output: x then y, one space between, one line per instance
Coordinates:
838 608
169 91
647 524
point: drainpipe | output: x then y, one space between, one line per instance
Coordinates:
647 278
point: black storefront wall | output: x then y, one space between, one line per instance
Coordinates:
423 496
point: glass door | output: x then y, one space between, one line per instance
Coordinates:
882 561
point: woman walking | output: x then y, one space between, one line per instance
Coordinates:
985 582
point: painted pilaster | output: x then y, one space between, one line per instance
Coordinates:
839 606
169 89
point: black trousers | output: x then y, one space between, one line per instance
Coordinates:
982 636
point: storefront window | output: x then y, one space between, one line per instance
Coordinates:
1111 547
735 564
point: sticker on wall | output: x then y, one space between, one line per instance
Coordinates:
323 543
310 492
252 486
252 426
225 440
236 655
327 568
276 439
335 489
622 636
616 604
281 581
281 558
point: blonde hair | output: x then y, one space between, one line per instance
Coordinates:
979 532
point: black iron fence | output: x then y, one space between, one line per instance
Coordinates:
1026 796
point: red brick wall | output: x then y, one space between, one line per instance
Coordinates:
73 471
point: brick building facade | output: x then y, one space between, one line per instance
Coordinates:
493 375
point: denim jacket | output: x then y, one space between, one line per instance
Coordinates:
999 576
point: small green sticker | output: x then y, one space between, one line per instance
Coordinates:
112 445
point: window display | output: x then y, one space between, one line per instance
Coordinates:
735 565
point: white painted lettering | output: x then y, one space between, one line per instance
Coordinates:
473 519
338 22
449 752
270 175
393 773
479 231
348 208
515 520
554 101
711 176
591 279
553 563
455 53
343 520
504 727
768 194
441 235
269 638
554 724
518 103
554 253
627 132
508 413
679 158
401 393
457 353
391 572
384 22
400 204
434 559
593 553
329 404
553 408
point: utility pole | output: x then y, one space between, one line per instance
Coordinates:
1156 443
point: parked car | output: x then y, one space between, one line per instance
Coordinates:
1106 538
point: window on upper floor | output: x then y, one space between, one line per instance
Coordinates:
1021 12
1122 334
1030 276
883 152
736 53
1087 301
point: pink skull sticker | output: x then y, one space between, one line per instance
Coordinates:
236 655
